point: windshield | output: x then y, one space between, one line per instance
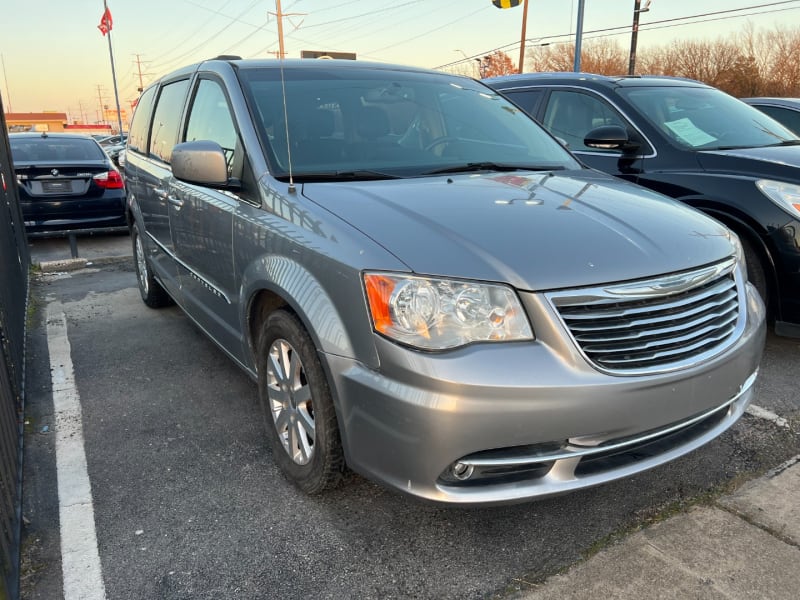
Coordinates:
706 119
373 122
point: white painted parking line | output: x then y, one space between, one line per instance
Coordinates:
80 558
763 413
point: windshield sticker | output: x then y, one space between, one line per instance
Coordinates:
689 132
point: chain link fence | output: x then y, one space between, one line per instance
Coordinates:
14 288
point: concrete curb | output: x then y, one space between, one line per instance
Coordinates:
74 264
746 545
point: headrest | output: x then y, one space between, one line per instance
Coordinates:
320 123
373 122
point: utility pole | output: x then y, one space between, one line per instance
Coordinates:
102 117
5 77
280 15
637 9
522 40
139 69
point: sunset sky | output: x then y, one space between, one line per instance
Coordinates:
55 58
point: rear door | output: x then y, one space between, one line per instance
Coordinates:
202 218
154 177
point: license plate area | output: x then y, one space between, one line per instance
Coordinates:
57 187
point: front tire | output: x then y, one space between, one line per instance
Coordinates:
755 272
298 408
153 295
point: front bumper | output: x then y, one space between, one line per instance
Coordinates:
533 416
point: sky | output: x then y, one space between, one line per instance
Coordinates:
54 58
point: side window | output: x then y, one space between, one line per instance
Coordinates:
786 117
210 119
137 138
527 100
571 115
166 120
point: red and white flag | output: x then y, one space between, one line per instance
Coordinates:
106 22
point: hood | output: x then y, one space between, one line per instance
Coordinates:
535 231
770 162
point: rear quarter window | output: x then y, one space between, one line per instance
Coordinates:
137 138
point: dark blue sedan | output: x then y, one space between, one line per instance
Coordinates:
66 183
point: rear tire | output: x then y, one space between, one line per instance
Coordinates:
298 408
153 295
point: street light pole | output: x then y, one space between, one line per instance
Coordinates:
578 37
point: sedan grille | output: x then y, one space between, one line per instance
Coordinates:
654 325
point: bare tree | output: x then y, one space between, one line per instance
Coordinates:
497 63
752 63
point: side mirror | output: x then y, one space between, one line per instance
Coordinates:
200 162
610 137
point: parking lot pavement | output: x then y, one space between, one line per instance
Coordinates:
187 502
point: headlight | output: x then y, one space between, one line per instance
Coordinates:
785 195
738 252
435 314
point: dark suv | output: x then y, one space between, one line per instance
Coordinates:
691 142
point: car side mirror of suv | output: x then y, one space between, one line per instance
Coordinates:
610 137
201 162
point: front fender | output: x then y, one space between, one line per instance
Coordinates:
321 314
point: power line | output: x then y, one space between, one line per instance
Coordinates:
330 41
423 34
233 20
643 27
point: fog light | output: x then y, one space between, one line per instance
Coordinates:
461 471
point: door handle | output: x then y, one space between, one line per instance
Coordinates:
175 201
160 193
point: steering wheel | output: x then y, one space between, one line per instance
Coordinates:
445 139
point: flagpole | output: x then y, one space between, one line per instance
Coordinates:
113 73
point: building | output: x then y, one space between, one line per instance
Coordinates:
43 121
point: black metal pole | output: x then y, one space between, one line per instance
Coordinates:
634 36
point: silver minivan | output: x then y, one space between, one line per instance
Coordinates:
429 289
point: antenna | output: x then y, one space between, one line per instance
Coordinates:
281 55
292 189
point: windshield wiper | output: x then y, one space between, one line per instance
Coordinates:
714 148
492 166
745 147
784 143
355 175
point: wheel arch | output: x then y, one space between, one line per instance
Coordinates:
752 233
277 282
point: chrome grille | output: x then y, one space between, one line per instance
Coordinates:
656 324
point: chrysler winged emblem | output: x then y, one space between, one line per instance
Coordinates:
53 172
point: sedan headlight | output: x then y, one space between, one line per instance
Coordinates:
436 314
785 195
738 251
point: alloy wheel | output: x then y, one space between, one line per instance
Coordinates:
141 265
290 401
